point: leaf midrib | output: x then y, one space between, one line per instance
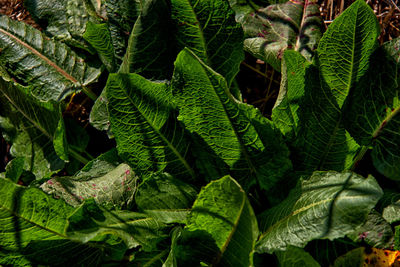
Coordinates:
39 127
169 144
41 56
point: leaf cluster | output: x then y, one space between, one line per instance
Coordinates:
197 176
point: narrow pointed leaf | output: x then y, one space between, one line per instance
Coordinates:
30 126
327 205
115 189
14 169
99 36
121 15
150 50
148 136
232 131
33 226
271 30
223 211
164 198
51 68
209 29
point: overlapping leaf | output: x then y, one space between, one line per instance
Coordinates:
164 198
294 256
271 30
33 230
30 126
91 222
327 205
64 20
50 68
115 189
232 132
209 29
223 211
322 142
150 51
148 136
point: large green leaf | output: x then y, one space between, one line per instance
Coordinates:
115 189
223 211
209 29
150 50
323 142
271 30
148 135
51 68
65 20
232 131
33 230
90 222
327 205
165 198
345 49
30 126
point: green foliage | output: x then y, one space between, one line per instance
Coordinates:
196 176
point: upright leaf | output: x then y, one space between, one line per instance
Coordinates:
164 198
209 29
30 126
150 49
99 36
271 30
51 68
323 142
231 131
345 49
33 229
223 211
147 134
327 205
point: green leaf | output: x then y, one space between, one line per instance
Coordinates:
392 212
90 222
30 126
208 28
115 189
234 132
223 211
148 136
32 230
60 140
327 205
64 20
14 169
164 198
121 15
354 257
99 117
345 49
294 257
52 69
376 231
271 30
99 36
286 111
150 50
171 261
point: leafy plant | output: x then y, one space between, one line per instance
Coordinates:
197 177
